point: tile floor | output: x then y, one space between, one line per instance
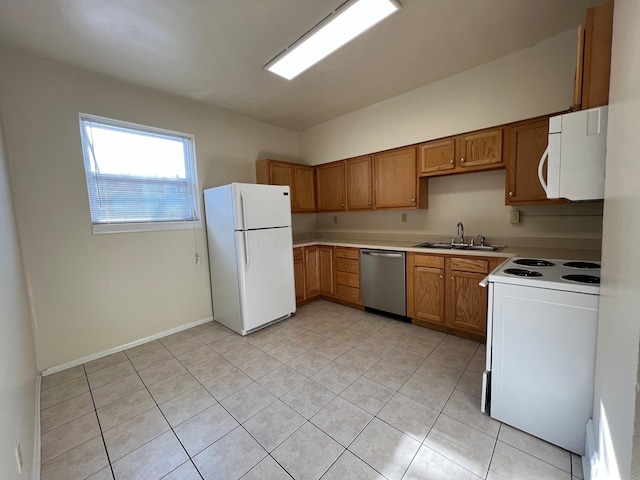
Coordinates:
333 393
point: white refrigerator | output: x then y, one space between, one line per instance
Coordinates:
250 255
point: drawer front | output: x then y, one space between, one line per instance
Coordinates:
347 253
428 261
297 254
350 294
470 265
347 265
348 279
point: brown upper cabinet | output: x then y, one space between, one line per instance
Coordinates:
395 179
360 183
527 141
299 178
470 152
331 186
593 68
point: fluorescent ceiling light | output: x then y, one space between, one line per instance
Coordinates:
343 25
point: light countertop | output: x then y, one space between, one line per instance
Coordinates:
561 251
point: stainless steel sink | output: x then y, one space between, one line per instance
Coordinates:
455 246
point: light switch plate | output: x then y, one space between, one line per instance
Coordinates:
514 216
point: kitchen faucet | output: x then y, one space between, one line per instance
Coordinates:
460 231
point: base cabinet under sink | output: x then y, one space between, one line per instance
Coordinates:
443 292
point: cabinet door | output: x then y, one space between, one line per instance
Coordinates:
327 279
480 150
396 179
527 142
598 34
467 302
305 195
299 274
281 173
312 269
331 187
437 156
426 294
359 184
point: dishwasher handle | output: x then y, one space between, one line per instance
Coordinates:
382 254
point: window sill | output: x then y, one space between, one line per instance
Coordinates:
101 228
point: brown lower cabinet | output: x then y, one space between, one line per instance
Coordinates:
443 292
314 272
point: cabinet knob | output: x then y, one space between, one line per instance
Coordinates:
462 160
441 276
346 280
451 161
369 203
346 293
345 265
453 278
345 254
413 200
511 194
343 204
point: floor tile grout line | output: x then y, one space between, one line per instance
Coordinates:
104 443
495 445
535 456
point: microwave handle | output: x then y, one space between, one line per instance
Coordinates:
545 156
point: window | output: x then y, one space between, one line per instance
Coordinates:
139 178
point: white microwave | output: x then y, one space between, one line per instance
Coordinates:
576 155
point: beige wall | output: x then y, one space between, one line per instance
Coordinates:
619 323
17 355
95 292
532 82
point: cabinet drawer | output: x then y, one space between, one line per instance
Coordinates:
297 254
347 265
470 265
350 294
348 279
428 261
347 253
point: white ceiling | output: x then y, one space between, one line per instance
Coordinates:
214 50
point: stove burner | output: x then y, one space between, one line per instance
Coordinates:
520 272
581 265
582 279
533 262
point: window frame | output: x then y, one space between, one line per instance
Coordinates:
152 225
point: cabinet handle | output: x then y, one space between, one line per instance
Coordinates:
462 159
511 194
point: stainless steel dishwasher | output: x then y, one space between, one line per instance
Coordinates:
383 280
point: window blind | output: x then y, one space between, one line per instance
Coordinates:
138 174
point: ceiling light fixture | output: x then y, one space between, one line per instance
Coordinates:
344 24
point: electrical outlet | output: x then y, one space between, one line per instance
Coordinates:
335 219
514 216
197 259
403 218
19 456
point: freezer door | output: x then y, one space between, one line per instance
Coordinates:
267 290
261 206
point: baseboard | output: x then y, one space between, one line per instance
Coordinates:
36 433
104 353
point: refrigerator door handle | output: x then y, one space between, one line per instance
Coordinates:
243 209
540 168
246 250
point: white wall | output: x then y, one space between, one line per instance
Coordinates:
532 82
17 355
94 292
619 323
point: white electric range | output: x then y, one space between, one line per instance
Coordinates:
541 342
